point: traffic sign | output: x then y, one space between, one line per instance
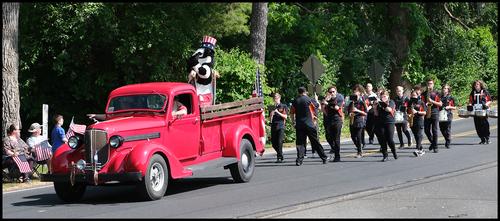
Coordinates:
313 69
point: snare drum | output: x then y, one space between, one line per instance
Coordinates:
493 113
399 117
480 113
463 113
443 115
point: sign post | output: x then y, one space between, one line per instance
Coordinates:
45 121
313 69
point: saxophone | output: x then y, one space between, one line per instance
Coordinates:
410 119
429 107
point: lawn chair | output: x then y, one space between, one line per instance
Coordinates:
42 155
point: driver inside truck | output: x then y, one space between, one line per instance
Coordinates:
178 109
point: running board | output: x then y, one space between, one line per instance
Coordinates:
220 162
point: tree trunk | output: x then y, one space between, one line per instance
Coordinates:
258 25
10 57
399 42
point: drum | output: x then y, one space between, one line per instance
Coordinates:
493 113
399 117
463 113
470 108
480 113
443 115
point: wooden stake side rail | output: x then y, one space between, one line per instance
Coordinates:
230 108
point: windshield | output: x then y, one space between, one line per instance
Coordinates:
143 102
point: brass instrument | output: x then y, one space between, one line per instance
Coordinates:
429 107
410 119
351 118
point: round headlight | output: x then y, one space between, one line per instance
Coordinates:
73 142
115 141
80 164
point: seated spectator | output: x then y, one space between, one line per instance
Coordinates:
13 145
36 138
179 109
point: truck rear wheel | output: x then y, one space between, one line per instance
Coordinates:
242 171
154 184
69 193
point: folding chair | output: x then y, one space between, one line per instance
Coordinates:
42 155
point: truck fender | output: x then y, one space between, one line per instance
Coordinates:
233 140
138 159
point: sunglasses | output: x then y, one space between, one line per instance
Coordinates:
331 92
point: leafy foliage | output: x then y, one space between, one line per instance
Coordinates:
73 54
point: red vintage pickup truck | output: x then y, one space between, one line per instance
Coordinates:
140 142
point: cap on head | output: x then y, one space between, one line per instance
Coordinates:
34 127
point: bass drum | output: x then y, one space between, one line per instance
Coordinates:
480 113
443 115
399 117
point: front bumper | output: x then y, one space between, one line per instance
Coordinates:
88 177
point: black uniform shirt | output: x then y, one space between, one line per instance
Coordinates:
301 107
448 101
418 120
434 95
385 117
359 119
278 122
335 115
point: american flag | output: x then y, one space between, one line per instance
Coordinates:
75 128
22 163
258 90
42 151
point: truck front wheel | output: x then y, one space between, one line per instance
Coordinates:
155 183
69 193
243 170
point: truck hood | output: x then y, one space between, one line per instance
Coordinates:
130 123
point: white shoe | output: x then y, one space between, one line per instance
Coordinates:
313 155
422 152
416 153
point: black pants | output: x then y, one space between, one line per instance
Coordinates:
403 128
445 128
418 134
277 137
334 130
308 132
482 127
329 138
385 134
431 130
356 136
370 126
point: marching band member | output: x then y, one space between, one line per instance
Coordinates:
278 119
431 122
302 118
401 102
370 96
416 120
479 95
334 104
357 113
448 105
384 111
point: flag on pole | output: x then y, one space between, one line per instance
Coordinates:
75 128
22 163
43 151
258 90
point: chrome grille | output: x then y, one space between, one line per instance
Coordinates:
96 142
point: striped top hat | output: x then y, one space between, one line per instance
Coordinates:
208 42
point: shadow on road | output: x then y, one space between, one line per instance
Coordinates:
117 194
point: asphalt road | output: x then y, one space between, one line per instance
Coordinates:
457 182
